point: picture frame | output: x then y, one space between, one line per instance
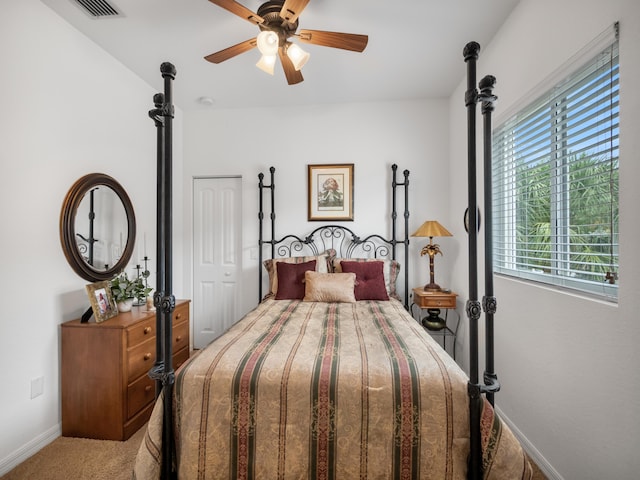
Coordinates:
102 302
330 192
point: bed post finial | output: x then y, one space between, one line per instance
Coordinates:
471 50
156 115
168 70
486 95
487 82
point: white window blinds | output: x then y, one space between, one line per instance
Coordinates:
555 183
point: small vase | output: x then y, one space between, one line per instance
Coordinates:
125 305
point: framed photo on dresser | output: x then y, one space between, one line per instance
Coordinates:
102 302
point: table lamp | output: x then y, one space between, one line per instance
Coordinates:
431 228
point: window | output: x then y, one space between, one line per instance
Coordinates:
555 183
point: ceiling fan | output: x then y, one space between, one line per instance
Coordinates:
278 21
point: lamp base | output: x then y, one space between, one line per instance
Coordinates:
432 287
433 321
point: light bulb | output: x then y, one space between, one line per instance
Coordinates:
267 63
297 55
267 41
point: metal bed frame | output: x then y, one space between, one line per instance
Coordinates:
164 300
336 237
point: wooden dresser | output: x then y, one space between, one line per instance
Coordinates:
106 391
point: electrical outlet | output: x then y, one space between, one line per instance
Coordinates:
37 387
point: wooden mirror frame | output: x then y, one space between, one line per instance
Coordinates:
68 231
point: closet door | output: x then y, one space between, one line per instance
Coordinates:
217 244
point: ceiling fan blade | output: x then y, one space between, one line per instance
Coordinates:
239 10
346 41
292 9
230 52
293 76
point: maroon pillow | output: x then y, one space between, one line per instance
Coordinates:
369 279
291 279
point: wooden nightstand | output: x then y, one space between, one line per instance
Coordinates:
433 303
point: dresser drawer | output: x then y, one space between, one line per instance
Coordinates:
139 394
141 358
180 336
180 314
141 332
425 299
442 302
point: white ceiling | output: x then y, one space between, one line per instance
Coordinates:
414 51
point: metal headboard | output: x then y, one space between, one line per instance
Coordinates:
343 240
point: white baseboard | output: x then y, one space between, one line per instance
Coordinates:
532 451
20 455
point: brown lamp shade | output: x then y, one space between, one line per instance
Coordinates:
431 228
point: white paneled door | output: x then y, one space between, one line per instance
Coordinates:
217 243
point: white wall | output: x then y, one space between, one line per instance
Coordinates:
568 365
372 136
68 109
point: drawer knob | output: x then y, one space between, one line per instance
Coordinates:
147 330
178 316
147 356
178 338
147 388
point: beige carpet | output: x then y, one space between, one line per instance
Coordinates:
80 458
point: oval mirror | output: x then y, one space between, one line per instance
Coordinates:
97 227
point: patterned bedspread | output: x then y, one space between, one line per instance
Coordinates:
305 390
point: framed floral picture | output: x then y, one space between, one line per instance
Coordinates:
102 302
330 192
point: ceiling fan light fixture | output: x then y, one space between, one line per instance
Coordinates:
267 63
297 55
267 41
277 21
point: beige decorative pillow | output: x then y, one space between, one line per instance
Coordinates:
329 287
323 262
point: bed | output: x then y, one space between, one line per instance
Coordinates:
302 389
329 377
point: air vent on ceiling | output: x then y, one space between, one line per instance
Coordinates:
98 8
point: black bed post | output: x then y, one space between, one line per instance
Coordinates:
489 302
473 309
394 215
163 298
260 219
157 116
261 241
406 238
272 170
